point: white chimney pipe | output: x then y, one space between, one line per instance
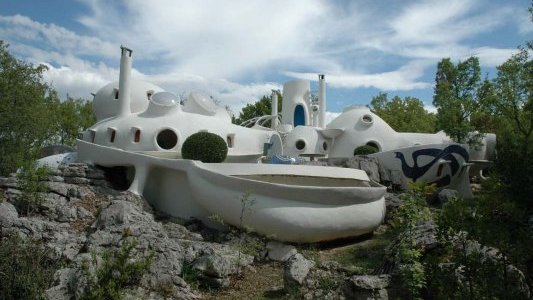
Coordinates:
274 105
124 90
322 100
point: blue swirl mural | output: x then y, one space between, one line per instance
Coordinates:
414 172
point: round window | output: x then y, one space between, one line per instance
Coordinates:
367 118
325 146
300 144
167 139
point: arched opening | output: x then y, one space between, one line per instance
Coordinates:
299 115
167 139
374 145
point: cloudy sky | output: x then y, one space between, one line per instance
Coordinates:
238 51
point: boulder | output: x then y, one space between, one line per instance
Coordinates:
296 269
8 214
365 287
280 252
446 195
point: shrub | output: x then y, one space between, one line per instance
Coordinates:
31 183
206 147
117 271
26 270
365 150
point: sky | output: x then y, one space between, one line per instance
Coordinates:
238 51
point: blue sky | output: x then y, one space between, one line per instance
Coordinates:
238 51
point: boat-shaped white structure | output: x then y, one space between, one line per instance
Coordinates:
287 203
142 127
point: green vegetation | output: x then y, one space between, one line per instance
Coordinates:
190 275
206 147
257 109
31 184
403 115
365 150
31 115
26 269
117 270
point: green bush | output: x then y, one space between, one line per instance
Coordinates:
118 270
26 270
365 150
206 147
31 183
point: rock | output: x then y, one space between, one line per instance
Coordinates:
8 214
296 269
62 289
366 163
392 202
446 195
365 287
280 252
221 265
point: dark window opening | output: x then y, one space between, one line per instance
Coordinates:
149 95
300 144
137 136
229 141
325 146
112 136
367 118
439 170
116 94
92 135
167 139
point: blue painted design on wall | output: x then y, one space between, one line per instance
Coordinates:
299 115
414 172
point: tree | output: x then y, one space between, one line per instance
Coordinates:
25 123
72 116
403 115
457 98
514 105
257 109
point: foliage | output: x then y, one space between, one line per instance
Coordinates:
190 275
31 114
403 115
206 147
26 270
258 109
408 254
457 98
118 269
365 150
31 184
514 105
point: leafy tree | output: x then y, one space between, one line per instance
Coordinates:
457 97
72 116
403 115
25 123
257 109
514 105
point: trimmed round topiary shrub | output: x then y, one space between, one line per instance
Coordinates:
365 150
206 147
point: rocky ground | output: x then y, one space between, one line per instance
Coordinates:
84 214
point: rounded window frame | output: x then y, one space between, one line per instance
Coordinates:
300 141
367 119
178 139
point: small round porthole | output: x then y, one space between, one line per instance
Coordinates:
167 139
300 144
367 119
325 146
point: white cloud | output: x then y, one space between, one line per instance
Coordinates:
406 77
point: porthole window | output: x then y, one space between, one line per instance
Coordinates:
167 139
325 146
300 144
367 119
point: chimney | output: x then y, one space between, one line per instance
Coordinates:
274 105
322 100
124 90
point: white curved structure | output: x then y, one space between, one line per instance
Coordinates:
144 131
290 203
